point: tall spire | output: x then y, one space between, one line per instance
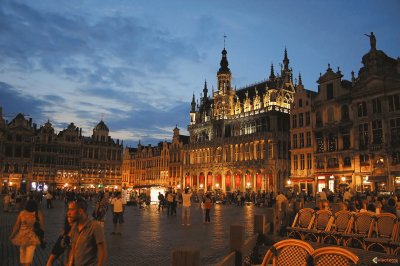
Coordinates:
205 90
286 61
272 74
193 104
224 69
300 81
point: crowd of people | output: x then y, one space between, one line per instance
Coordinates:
82 241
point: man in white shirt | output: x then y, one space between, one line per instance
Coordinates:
118 213
186 206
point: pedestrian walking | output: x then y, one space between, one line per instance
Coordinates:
88 244
118 213
62 247
207 206
6 202
23 233
186 203
101 209
49 197
171 202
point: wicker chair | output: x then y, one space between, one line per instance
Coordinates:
395 244
362 228
301 224
289 252
337 256
341 224
385 231
322 222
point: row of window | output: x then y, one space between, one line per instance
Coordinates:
304 119
299 143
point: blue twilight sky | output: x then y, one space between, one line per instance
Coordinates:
137 63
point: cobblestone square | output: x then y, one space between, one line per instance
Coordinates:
148 237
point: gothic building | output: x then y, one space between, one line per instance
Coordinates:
239 138
32 158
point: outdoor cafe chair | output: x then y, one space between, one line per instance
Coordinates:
342 222
329 256
301 224
322 222
385 231
362 228
288 252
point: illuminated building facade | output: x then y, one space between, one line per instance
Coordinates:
355 129
239 139
32 158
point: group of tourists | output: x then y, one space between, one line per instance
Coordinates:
171 199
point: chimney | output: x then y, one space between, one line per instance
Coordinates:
34 125
30 121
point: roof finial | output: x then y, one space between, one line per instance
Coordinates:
300 81
224 39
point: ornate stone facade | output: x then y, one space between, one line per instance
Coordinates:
32 158
239 139
355 128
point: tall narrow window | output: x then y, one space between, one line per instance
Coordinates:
294 121
318 119
395 130
376 106
345 113
363 136
362 109
309 161
295 162
308 139
301 140
301 120
308 119
295 141
394 103
302 162
332 142
346 139
377 131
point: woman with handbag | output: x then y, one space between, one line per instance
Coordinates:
25 233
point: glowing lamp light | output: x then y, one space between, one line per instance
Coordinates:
11 183
201 185
45 187
115 187
289 182
178 186
217 185
34 185
248 184
343 179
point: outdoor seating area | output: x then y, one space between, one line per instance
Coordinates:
363 230
297 253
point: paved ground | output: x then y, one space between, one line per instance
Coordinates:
148 237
